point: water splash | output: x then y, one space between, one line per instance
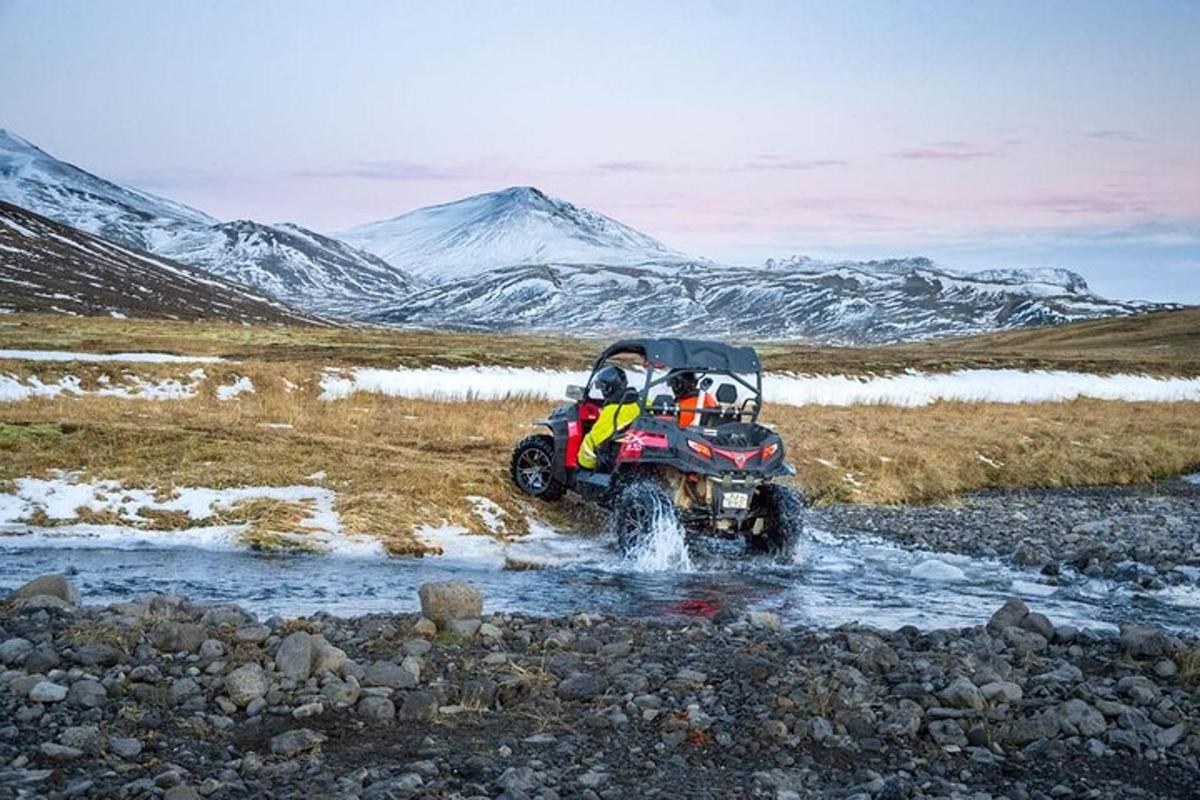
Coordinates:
663 548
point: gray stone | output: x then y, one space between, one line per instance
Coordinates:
479 693
1169 737
466 628
1038 623
294 658
182 690
48 692
581 686
338 693
13 651
1079 718
1011 613
389 674
947 732
444 601
60 752
1146 641
82 737
51 585
246 683
182 792
103 655
125 747
212 649
178 637
376 709
961 693
419 705
1001 692
326 657
87 693
294 742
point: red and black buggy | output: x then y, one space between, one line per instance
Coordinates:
717 476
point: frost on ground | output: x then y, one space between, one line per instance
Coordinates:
131 358
14 389
907 389
66 509
491 514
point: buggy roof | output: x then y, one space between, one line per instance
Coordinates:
688 354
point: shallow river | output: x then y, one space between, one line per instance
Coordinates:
829 581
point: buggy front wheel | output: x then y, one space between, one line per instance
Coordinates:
532 468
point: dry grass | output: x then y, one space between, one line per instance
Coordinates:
396 464
1160 343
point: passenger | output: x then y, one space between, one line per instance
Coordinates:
689 398
614 416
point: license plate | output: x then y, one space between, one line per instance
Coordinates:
736 500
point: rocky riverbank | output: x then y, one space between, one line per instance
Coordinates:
160 697
1144 535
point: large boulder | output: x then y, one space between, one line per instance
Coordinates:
445 601
49 585
1009 615
294 657
291 743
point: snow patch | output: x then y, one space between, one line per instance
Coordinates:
489 512
131 358
240 385
907 389
62 498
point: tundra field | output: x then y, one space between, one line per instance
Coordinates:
396 464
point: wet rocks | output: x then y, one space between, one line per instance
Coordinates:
445 601
178 637
590 706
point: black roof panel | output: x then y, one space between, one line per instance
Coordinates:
689 354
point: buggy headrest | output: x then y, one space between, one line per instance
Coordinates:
630 395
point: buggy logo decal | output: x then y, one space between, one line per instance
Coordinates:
738 457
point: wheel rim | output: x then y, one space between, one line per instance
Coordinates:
635 521
533 470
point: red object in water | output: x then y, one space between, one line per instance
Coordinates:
695 607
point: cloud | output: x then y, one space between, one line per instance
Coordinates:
394 171
1115 135
770 163
951 151
1088 203
763 163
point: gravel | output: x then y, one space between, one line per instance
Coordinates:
591 706
1143 535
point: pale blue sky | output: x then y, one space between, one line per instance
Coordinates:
982 134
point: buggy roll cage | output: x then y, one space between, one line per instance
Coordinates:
669 356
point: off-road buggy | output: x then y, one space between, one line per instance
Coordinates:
716 476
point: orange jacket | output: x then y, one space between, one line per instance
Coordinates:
688 406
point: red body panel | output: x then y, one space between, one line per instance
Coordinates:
738 457
574 439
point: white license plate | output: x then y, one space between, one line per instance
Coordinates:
738 500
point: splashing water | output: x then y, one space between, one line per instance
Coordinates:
663 548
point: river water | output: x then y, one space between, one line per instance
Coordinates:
829 580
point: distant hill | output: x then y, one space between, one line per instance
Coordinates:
47 266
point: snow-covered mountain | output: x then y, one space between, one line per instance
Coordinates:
46 266
515 227
856 303
297 265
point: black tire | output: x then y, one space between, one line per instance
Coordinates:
782 513
637 509
532 468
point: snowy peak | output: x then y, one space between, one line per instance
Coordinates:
49 267
518 226
290 262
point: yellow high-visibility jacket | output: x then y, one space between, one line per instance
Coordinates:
613 417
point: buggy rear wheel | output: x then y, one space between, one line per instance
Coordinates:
638 508
532 468
782 513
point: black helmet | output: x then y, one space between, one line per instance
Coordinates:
611 382
684 384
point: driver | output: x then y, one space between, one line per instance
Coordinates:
614 416
686 387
